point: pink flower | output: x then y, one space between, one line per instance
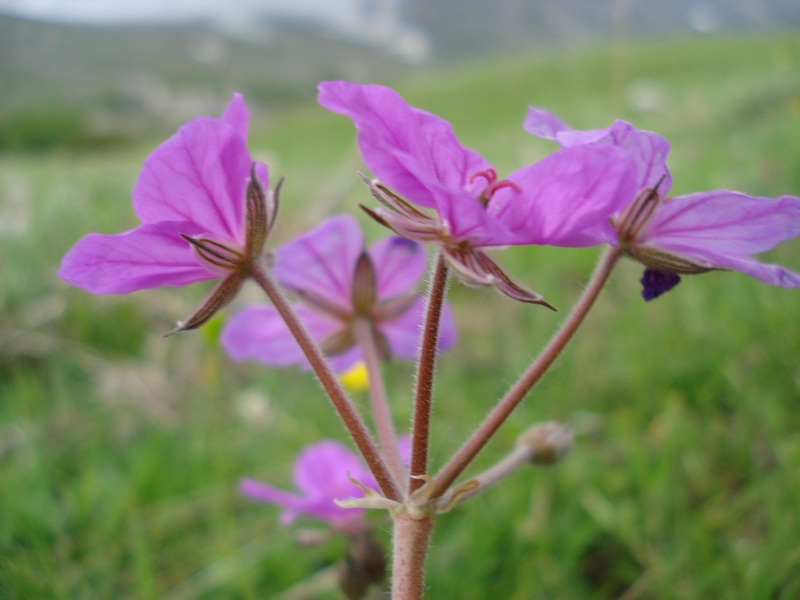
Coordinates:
417 156
338 281
204 212
322 474
687 234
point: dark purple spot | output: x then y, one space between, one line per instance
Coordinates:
655 283
400 242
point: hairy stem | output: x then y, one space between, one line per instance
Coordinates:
420 436
387 435
410 542
341 402
521 455
539 367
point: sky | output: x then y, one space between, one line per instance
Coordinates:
116 11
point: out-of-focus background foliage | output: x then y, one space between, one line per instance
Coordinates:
120 450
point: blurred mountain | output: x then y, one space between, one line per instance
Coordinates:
80 84
460 28
121 80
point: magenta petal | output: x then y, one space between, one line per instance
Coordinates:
321 262
146 257
724 222
327 510
322 473
771 274
237 116
399 264
259 333
344 361
570 137
543 124
447 160
568 192
649 150
404 331
388 125
200 174
263 492
723 227
321 470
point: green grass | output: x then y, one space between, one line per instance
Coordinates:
120 450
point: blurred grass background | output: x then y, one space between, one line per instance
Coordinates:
120 450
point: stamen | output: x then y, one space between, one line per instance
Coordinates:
639 213
215 253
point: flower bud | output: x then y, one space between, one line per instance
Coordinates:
363 565
548 442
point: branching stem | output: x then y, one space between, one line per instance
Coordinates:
519 456
539 367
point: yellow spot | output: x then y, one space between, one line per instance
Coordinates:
355 379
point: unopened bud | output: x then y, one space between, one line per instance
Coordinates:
549 442
363 565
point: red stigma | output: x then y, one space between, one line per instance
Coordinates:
490 175
494 186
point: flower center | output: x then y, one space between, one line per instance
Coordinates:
634 219
492 185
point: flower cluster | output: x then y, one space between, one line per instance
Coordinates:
206 213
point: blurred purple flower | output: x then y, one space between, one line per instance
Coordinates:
204 215
338 281
687 234
322 474
416 155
